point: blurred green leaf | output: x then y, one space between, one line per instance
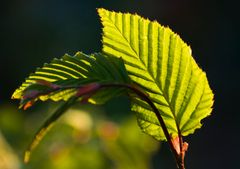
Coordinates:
47 126
8 158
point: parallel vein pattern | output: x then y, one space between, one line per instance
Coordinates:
78 70
160 62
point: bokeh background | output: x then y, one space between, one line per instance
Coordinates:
33 32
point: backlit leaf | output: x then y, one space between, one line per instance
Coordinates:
161 63
73 71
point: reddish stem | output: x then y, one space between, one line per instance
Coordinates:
179 156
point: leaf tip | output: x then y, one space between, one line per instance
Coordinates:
101 11
16 95
27 156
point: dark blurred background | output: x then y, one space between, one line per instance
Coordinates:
33 32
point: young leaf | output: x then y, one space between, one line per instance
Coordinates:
160 62
68 79
68 72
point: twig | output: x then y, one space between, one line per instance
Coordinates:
177 146
179 157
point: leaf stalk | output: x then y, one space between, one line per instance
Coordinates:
179 156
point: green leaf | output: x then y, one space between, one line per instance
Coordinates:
160 62
79 73
75 70
47 126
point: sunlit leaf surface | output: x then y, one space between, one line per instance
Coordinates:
161 63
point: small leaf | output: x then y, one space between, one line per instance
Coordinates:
161 63
73 71
47 126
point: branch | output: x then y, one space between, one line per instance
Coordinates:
177 146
